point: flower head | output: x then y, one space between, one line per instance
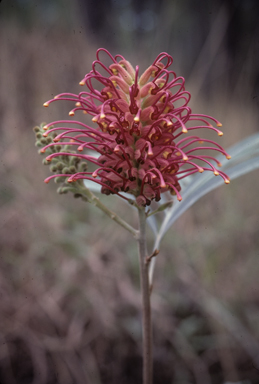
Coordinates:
143 133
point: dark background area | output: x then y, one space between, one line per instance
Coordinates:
69 281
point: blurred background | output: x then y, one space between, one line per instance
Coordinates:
69 279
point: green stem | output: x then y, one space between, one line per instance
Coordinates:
95 201
146 308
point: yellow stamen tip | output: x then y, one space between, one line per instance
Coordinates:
219 125
185 158
220 133
184 130
115 71
136 119
45 134
95 119
179 198
82 82
85 112
219 164
102 116
201 170
216 173
227 181
56 97
46 104
45 127
42 150
228 157
71 113
80 149
78 104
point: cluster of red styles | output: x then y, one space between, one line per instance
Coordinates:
143 137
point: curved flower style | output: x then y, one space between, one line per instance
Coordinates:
143 130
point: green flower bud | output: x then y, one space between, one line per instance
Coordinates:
72 169
60 165
59 179
43 141
53 168
82 167
65 170
61 190
74 160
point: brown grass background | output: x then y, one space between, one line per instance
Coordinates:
69 279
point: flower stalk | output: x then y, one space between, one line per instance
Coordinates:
112 215
146 305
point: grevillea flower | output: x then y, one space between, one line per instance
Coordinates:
143 133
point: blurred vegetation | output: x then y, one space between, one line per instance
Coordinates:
69 281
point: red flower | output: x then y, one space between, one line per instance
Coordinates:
143 134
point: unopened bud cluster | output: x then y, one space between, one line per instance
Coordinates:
61 165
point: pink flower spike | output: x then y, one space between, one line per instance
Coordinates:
141 132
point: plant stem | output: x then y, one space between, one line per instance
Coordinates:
96 201
146 308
